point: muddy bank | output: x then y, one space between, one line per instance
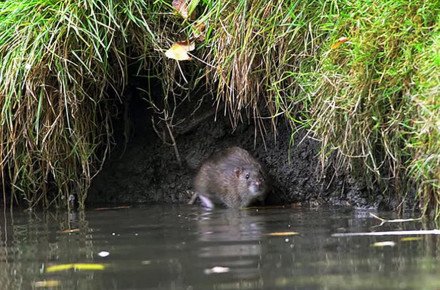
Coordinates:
147 170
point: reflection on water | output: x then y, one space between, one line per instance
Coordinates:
165 247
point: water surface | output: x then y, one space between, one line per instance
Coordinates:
186 247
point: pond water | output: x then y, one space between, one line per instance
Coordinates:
186 247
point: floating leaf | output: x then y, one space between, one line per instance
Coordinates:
46 284
283 234
384 244
217 270
339 42
410 239
76 267
103 254
179 50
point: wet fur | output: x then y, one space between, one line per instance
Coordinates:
221 178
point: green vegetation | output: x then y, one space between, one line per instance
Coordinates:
362 76
60 61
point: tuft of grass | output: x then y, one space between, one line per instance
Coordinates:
53 79
61 61
423 144
259 51
364 106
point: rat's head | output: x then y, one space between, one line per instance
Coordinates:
251 180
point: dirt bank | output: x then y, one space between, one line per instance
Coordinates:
147 169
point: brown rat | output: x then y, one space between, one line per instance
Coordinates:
231 177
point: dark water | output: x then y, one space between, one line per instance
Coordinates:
165 247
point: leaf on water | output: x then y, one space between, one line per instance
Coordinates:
103 254
282 234
410 239
181 8
384 244
76 267
46 284
69 231
217 270
339 42
179 50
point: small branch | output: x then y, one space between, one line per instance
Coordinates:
390 233
394 220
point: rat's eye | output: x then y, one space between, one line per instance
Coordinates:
247 176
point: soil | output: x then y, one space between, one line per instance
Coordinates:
146 169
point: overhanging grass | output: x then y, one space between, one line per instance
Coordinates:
59 62
371 100
365 105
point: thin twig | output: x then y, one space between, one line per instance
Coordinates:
394 220
389 233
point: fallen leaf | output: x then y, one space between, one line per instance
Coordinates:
217 270
76 267
46 284
384 244
282 234
199 31
339 42
410 239
179 50
181 7
103 254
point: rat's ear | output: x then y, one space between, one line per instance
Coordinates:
238 171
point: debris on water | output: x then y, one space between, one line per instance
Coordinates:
103 254
388 233
112 208
69 231
282 234
76 267
384 244
217 270
411 239
46 284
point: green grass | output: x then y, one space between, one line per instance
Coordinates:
60 59
372 101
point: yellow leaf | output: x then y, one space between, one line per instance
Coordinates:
46 284
76 267
283 234
179 50
339 42
410 239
